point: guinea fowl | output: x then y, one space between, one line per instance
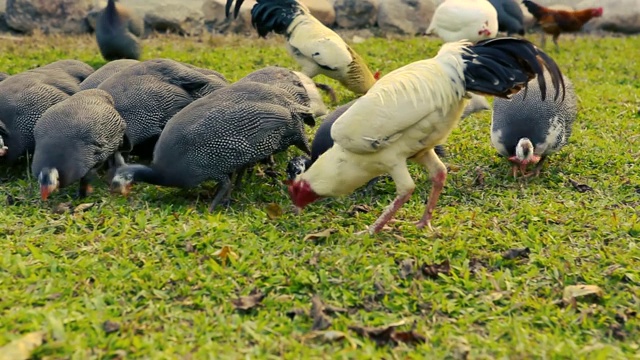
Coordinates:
75 136
471 20
149 93
106 71
528 129
316 48
220 134
322 140
411 110
24 97
510 16
118 32
3 75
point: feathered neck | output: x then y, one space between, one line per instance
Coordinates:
146 174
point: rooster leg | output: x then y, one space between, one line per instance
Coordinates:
438 172
543 39
404 188
555 40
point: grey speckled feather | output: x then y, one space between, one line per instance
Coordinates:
226 131
77 70
3 75
24 97
106 71
118 31
149 93
546 123
78 134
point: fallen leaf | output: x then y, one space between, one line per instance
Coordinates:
291 314
408 337
516 253
331 310
188 247
611 269
433 270
62 208
110 326
574 292
406 268
479 179
617 332
580 187
246 303
387 334
326 336
320 320
314 259
363 208
83 207
21 348
274 211
319 235
453 168
225 253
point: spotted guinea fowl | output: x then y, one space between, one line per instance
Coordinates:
322 140
510 16
149 93
220 134
24 97
527 129
75 136
106 71
3 75
118 32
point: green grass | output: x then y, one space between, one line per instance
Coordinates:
148 262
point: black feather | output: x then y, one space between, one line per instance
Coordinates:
503 66
274 15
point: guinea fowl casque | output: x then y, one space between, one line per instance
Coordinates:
471 20
527 130
410 111
106 71
220 134
149 93
510 16
318 49
75 136
24 97
118 32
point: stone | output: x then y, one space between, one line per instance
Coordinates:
322 10
405 16
354 14
49 16
214 17
176 18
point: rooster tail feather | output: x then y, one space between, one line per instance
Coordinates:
536 10
274 15
503 66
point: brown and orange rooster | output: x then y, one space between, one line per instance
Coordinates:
555 22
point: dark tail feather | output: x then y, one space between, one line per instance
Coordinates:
236 10
329 90
503 66
440 151
536 10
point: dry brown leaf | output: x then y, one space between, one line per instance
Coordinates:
319 235
21 348
274 211
363 208
83 207
320 320
406 268
225 253
110 326
246 303
62 208
387 335
433 270
580 187
188 247
516 253
572 293
479 179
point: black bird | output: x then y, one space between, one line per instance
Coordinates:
106 71
75 136
510 16
220 134
149 93
118 32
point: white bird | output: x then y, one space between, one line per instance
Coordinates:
471 20
410 111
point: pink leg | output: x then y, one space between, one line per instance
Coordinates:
388 213
436 189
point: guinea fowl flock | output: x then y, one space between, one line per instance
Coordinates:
192 125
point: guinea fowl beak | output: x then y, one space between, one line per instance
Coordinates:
44 192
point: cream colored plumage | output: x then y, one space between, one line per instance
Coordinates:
318 49
411 110
471 20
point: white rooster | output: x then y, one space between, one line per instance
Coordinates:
318 49
411 110
471 20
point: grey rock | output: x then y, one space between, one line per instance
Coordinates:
351 14
50 16
405 16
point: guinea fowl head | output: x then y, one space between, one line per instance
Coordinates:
3 149
524 153
301 193
295 167
49 181
122 180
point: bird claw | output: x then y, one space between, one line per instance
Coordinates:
421 224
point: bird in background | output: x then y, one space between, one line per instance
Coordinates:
510 17
527 129
316 48
410 111
471 20
556 22
118 32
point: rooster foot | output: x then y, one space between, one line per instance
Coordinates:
422 223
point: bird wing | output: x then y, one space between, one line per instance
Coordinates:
321 45
398 102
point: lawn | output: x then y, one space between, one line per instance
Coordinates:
154 275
